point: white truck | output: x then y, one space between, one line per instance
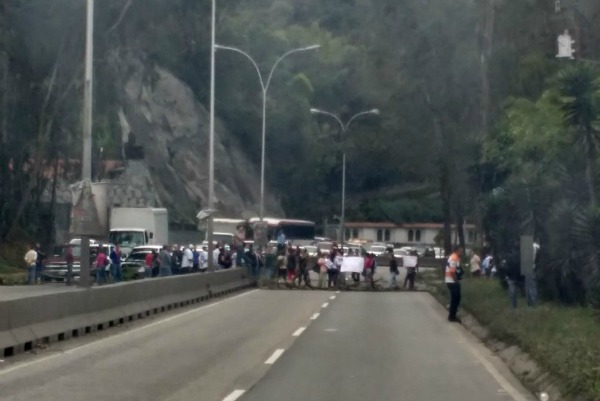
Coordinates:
131 227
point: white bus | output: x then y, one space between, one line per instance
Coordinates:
299 232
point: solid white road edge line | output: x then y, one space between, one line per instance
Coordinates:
510 389
234 395
125 333
299 331
273 358
325 305
315 316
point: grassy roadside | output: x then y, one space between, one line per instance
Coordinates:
565 341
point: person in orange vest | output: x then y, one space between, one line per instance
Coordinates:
452 279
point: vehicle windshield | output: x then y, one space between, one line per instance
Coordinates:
377 248
127 238
137 256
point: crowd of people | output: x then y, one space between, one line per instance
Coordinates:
290 266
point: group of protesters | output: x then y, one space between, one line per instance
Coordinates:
293 266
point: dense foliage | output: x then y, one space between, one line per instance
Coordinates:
479 121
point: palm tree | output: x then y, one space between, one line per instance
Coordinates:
579 97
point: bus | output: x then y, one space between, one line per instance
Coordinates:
299 232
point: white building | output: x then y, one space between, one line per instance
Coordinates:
410 233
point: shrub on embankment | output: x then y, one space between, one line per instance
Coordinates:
12 271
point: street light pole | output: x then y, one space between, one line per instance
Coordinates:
211 141
344 129
265 89
86 159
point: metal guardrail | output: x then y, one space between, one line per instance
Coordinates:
28 321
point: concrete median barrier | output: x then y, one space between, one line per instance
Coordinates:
28 321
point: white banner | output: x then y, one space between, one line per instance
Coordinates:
410 261
353 264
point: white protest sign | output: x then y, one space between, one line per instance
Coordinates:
410 261
353 264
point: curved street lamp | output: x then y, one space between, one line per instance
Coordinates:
344 128
265 88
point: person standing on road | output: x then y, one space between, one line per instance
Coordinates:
411 263
281 267
30 259
177 259
164 262
331 269
225 260
394 271
322 266
369 269
101 263
203 259
303 273
292 265
195 259
188 259
148 262
115 264
216 255
251 261
39 263
452 277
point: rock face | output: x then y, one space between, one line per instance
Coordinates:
173 128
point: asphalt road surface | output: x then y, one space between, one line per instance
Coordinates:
273 345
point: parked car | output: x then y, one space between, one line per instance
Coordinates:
311 249
377 250
325 247
137 258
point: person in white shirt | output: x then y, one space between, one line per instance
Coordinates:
476 265
188 258
216 253
30 260
203 259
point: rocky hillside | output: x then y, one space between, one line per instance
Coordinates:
172 126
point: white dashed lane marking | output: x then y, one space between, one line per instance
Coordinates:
325 305
315 316
234 395
299 331
273 358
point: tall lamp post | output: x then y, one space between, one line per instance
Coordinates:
211 142
265 88
86 159
344 129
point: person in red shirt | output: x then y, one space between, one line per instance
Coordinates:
101 262
149 262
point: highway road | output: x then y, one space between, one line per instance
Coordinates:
273 345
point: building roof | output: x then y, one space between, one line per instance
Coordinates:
369 225
438 226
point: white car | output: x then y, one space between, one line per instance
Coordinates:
377 250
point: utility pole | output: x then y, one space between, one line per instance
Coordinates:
86 161
211 142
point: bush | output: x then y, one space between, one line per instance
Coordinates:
11 254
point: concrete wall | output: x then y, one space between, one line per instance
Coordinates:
27 321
